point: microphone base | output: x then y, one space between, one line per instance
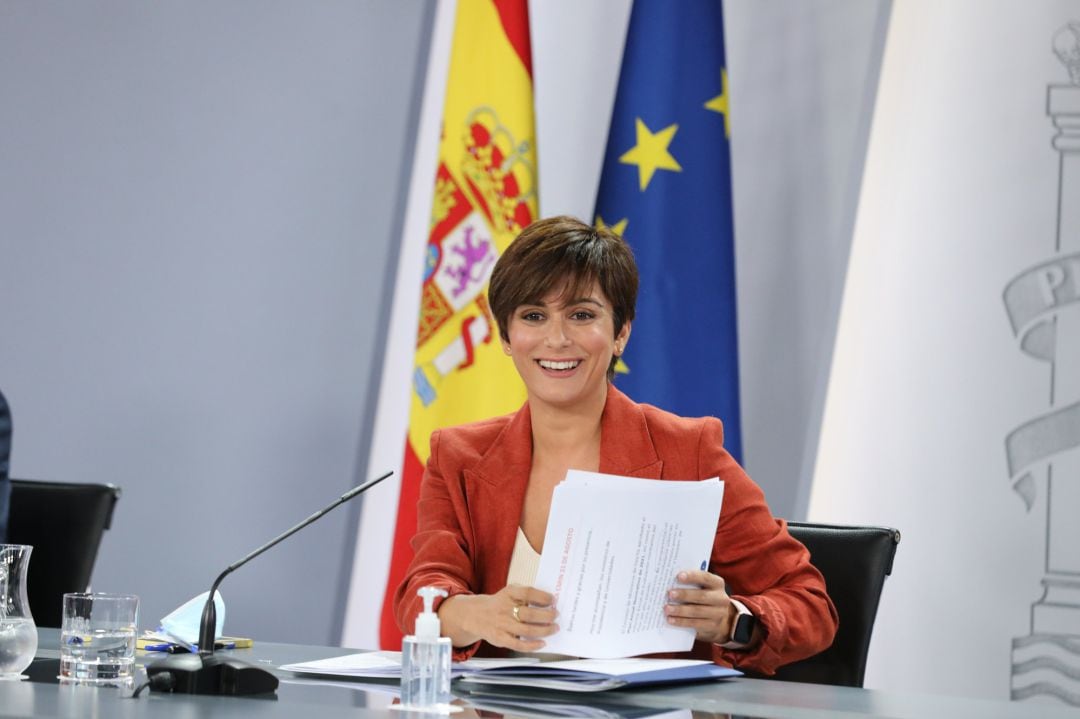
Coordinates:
213 674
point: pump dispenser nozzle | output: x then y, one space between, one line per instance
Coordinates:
427 622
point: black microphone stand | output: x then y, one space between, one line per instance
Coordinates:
207 673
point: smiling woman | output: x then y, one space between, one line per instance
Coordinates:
563 295
565 336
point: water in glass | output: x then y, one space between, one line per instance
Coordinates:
18 644
98 656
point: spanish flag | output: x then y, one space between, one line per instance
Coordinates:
485 193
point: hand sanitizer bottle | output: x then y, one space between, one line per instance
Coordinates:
425 659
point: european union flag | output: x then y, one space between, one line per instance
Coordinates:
666 188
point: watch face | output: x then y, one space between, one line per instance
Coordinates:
744 628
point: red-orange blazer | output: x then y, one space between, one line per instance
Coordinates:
470 506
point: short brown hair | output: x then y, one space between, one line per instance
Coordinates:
564 249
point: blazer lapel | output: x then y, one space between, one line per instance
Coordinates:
626 448
495 489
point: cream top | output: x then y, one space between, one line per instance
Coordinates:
524 562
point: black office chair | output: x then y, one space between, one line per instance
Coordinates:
64 522
5 455
854 562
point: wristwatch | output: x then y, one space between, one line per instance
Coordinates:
743 629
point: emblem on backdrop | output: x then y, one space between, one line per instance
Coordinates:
1043 305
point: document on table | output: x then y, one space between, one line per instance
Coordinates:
598 675
611 552
387 665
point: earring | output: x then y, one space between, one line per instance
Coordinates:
506 348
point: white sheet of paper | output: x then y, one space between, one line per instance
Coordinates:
612 550
387 664
364 664
622 667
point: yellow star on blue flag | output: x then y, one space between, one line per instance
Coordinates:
650 153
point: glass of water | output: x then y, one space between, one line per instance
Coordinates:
97 639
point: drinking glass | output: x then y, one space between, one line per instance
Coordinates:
97 639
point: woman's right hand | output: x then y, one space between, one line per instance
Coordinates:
515 617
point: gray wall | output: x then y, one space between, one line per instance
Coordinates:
803 80
200 206
198 202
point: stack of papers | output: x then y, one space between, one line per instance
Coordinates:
577 675
595 675
610 570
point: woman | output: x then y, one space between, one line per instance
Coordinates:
563 295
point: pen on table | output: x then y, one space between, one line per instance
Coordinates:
217 645
178 648
163 647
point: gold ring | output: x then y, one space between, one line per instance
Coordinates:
514 611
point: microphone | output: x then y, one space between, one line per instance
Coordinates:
207 673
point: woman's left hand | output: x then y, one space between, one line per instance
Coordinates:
707 610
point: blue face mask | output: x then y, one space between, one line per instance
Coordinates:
183 622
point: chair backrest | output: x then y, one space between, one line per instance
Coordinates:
854 562
64 522
5 436
5 455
